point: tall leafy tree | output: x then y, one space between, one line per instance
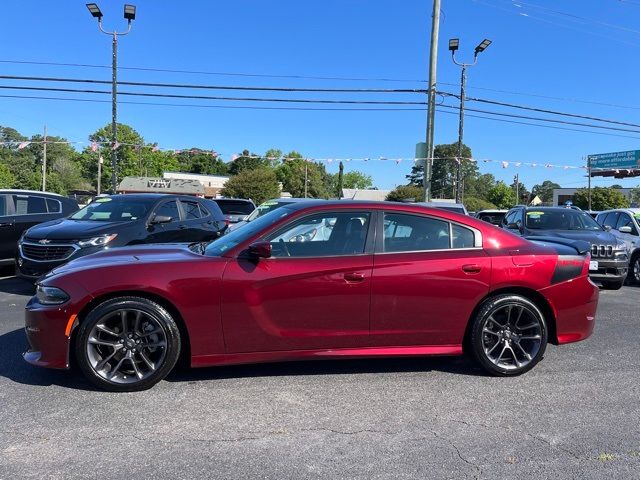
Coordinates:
405 193
602 198
544 191
292 175
258 184
7 180
247 161
502 196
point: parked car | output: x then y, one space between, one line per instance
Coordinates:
450 206
266 207
235 209
610 259
494 217
390 280
21 209
115 221
624 224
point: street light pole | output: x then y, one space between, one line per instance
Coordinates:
129 15
454 44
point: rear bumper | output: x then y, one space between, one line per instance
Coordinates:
574 305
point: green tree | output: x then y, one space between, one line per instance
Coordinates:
64 171
544 191
474 204
502 196
259 185
522 191
602 198
292 175
479 187
7 180
247 161
444 170
356 179
200 161
401 193
635 195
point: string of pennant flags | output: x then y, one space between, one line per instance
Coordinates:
94 146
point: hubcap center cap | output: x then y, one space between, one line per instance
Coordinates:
129 343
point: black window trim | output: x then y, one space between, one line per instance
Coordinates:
29 195
164 201
183 212
368 245
379 246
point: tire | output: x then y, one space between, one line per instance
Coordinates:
633 276
499 341
127 344
617 285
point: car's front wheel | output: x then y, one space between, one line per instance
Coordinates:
634 269
127 344
508 335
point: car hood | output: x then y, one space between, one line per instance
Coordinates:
135 255
66 229
593 237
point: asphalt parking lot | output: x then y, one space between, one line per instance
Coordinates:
576 415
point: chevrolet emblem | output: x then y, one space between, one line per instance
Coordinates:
44 241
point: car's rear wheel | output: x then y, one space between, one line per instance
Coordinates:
127 344
509 335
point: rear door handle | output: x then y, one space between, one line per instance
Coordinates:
471 268
354 277
182 227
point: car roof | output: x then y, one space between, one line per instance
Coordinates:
246 200
491 211
150 196
630 210
553 209
372 205
29 192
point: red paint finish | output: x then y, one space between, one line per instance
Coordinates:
237 310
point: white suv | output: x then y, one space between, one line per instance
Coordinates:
625 225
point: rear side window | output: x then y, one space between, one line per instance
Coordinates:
53 206
611 219
29 205
462 237
3 205
169 209
235 207
191 210
410 233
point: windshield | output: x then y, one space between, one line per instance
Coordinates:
235 207
236 237
265 207
108 209
568 219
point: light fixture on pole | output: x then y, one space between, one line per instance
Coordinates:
454 44
129 15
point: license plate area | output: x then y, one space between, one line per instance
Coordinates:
593 265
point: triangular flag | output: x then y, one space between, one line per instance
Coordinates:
22 145
94 147
505 164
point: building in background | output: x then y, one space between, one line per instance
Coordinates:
562 195
161 185
364 194
212 184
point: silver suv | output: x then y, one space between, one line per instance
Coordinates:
624 223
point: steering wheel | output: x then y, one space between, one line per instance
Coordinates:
284 246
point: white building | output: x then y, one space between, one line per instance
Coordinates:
212 183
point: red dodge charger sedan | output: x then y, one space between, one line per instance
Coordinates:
315 280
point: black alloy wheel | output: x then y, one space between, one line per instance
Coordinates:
127 344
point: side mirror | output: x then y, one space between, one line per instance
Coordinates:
160 219
607 228
260 250
625 229
514 226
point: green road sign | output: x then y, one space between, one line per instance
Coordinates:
615 160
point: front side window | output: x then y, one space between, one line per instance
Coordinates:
169 209
611 219
29 205
410 233
327 234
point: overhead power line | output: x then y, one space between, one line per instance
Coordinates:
216 87
290 108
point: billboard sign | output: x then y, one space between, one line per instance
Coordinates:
615 160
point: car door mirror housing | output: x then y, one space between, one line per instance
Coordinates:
160 219
260 250
607 228
625 229
514 226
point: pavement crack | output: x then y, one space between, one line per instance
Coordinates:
452 444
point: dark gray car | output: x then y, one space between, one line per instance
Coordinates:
609 255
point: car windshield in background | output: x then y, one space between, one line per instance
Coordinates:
264 208
234 207
236 237
494 218
108 209
567 219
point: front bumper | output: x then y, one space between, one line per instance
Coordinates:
48 332
610 269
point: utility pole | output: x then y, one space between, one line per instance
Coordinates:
340 180
431 98
517 180
306 177
589 181
129 15
99 172
44 160
454 44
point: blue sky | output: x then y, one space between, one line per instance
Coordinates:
572 49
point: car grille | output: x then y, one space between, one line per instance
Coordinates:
601 251
46 253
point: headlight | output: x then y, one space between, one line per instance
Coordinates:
621 247
100 241
51 295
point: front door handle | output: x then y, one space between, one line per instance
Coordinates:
6 224
354 277
471 268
